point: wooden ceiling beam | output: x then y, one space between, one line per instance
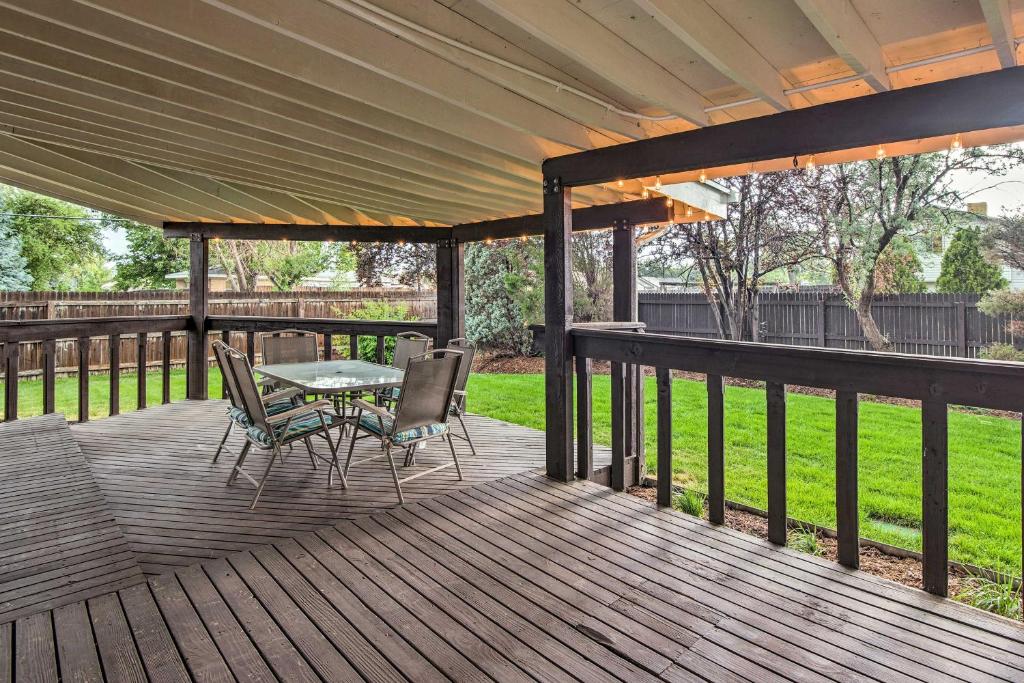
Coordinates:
982 101
839 23
1000 26
307 233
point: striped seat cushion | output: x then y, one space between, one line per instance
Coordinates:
372 423
301 425
238 416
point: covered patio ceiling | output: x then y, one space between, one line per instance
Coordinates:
387 112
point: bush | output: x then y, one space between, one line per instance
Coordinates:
804 540
964 267
690 502
1002 352
1001 597
377 309
499 292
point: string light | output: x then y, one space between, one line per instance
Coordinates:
707 216
353 243
689 211
880 153
401 243
522 238
810 165
957 143
668 202
703 177
620 183
657 182
645 194
488 241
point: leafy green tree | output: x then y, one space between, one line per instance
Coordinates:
964 268
53 238
288 264
1005 240
412 265
499 288
149 259
13 275
899 269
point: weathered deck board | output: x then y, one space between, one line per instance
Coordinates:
520 578
156 472
59 543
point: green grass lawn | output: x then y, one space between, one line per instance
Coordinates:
984 461
984 471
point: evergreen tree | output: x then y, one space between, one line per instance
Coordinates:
497 295
964 268
13 275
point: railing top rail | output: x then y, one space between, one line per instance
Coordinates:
986 384
320 325
69 328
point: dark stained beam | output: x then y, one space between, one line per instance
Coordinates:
307 233
198 293
590 218
989 100
558 314
451 292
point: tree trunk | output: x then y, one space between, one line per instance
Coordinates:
876 339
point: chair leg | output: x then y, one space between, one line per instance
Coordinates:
458 467
312 455
239 462
465 430
266 473
351 447
224 439
394 475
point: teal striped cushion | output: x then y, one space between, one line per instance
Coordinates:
300 425
238 416
372 423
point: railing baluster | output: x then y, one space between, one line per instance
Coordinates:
584 416
328 347
250 347
353 347
140 386
664 376
83 379
49 375
165 368
776 398
380 350
225 338
935 497
114 341
11 364
716 449
847 516
618 382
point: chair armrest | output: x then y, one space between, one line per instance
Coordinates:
278 395
458 394
305 409
370 408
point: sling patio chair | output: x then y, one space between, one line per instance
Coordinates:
276 402
458 408
272 432
287 346
407 345
422 411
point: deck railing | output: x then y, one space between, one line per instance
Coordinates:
936 382
86 331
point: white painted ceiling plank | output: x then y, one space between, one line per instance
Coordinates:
1000 25
845 30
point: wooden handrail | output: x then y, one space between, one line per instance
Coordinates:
73 328
936 382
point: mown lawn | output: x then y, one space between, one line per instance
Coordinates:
984 469
984 477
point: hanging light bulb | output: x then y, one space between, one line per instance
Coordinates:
668 202
689 211
522 238
957 143
620 183
488 241
645 194
353 243
810 165
703 177
657 182
707 216
880 153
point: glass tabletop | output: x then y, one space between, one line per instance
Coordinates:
333 376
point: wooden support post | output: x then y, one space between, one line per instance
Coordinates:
584 418
142 375
379 351
716 449
664 376
165 368
776 398
557 336
198 292
83 379
49 375
619 417
11 365
114 341
624 309
847 515
451 292
225 338
353 347
328 347
250 347
935 497
960 310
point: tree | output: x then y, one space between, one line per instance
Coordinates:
964 268
499 290
13 275
149 259
862 207
762 232
1005 240
53 236
412 265
899 269
287 264
592 276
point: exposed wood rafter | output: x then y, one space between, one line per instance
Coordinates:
1000 24
844 29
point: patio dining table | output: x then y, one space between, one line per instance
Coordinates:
333 377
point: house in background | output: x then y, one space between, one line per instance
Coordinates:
327 279
930 252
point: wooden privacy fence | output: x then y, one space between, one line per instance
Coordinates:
936 382
77 305
928 324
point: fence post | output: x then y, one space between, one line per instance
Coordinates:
822 320
961 328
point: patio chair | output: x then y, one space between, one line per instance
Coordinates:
272 432
458 408
421 413
290 346
407 345
276 402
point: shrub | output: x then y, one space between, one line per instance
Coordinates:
1002 352
803 539
499 293
690 502
377 309
965 269
1000 596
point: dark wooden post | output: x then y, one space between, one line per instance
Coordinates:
960 310
776 395
11 381
165 369
141 386
584 416
935 497
49 375
624 309
822 323
451 292
115 373
716 449
198 291
847 516
557 321
83 378
664 437
619 421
